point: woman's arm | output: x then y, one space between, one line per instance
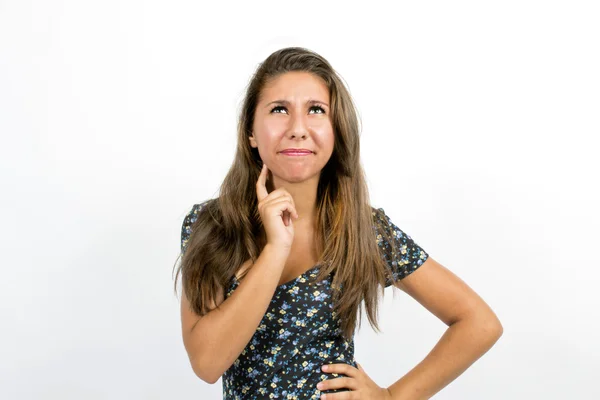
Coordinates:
473 330
214 341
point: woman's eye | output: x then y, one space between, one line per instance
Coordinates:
277 108
318 108
313 107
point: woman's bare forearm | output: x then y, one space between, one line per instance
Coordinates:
220 336
461 345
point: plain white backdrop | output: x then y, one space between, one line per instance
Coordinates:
480 124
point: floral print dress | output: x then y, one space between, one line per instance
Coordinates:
298 333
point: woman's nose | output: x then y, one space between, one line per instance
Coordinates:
298 128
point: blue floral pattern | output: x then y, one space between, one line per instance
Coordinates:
299 331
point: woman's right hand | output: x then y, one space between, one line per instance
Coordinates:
277 210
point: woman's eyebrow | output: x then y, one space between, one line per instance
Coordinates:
287 103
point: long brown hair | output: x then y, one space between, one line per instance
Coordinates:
228 230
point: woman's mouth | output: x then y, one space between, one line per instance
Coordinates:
296 153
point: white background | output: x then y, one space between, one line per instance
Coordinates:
480 126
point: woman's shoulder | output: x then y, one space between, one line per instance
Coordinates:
190 218
379 217
196 209
382 223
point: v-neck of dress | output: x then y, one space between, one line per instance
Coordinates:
296 279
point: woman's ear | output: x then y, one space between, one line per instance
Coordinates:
252 141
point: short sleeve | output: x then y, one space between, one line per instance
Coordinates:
188 222
408 255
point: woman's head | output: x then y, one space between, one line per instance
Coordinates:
328 125
292 112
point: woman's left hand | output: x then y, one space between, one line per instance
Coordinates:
356 379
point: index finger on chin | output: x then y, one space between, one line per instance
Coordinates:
261 189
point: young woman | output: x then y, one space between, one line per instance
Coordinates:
275 269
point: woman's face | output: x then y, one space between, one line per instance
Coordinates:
293 113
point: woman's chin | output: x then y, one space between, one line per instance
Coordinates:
296 178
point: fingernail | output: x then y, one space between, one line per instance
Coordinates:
325 367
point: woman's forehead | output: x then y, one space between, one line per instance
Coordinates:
293 87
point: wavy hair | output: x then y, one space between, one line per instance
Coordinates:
229 231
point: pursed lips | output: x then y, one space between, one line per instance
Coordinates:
296 152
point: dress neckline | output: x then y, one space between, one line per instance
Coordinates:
294 280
